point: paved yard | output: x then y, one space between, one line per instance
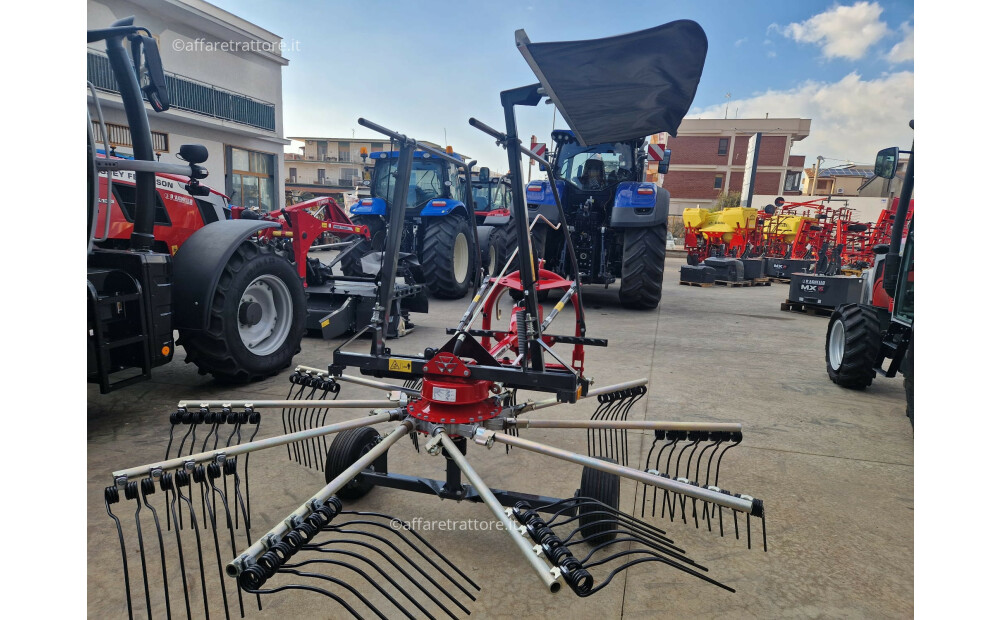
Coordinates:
834 468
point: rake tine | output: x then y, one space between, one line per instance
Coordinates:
385 576
183 478
111 496
326 593
132 492
417 535
290 568
199 477
214 473
147 486
230 468
340 583
718 464
636 526
630 536
167 486
284 412
654 558
339 528
319 547
254 418
736 524
627 539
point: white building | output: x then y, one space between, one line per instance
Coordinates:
224 80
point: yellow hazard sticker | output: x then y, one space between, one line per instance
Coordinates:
325 323
397 365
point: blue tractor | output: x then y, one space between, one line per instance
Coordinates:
439 227
617 220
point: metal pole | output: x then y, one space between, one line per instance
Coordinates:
234 568
552 402
281 404
547 574
486 438
650 425
253 446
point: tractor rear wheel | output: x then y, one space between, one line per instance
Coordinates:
345 449
644 250
447 257
256 321
493 253
852 346
595 520
350 264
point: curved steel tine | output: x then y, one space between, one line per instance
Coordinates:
291 568
144 489
319 547
339 527
626 539
242 509
668 444
575 502
384 575
197 535
655 558
340 583
171 495
285 414
326 593
111 493
649 455
718 464
232 535
215 537
142 548
423 540
634 525
630 536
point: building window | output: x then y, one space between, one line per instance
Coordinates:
119 135
344 151
251 175
293 174
792 181
321 176
718 181
723 146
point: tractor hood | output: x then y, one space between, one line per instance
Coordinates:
624 87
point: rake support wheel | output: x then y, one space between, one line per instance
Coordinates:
604 487
345 449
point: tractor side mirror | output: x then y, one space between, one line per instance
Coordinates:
886 162
664 165
193 153
149 68
484 175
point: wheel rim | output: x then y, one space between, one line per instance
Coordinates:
836 344
492 262
460 260
266 335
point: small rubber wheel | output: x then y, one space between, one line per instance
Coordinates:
596 525
347 447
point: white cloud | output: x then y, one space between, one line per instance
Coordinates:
902 51
739 42
842 31
851 119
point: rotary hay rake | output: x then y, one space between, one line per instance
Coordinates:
373 564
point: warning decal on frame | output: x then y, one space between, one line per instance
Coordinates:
397 365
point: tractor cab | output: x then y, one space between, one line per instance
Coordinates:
491 195
594 170
430 178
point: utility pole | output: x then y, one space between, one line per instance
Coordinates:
812 186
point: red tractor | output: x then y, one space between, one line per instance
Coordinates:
166 253
862 336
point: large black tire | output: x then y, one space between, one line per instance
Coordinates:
274 329
494 252
447 258
906 367
350 264
644 250
853 340
345 449
595 520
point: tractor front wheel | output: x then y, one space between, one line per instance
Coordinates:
447 257
852 344
256 321
644 250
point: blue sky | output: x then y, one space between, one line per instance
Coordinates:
423 68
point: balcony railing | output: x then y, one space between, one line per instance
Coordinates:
193 96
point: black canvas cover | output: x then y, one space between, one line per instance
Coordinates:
623 87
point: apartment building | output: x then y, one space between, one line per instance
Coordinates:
223 75
708 158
